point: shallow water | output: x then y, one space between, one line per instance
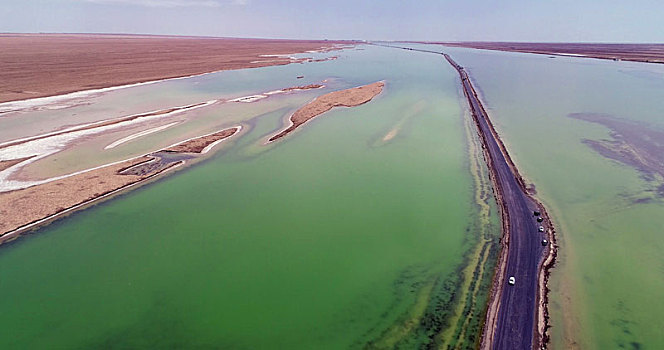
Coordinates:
332 237
607 285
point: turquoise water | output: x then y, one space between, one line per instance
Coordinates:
331 238
607 285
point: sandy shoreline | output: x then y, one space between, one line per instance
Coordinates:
343 98
52 101
25 209
89 62
200 144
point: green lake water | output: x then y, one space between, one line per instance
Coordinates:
609 281
329 239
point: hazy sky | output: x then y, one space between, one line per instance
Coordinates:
518 20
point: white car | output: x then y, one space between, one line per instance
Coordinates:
541 229
511 281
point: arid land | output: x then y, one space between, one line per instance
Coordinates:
39 65
653 53
344 98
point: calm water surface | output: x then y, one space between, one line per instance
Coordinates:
608 284
332 238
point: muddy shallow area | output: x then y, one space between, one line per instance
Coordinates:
160 161
635 144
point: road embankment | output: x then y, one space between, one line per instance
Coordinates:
517 316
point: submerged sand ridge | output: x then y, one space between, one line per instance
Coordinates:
344 98
638 145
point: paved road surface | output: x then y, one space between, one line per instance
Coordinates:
515 326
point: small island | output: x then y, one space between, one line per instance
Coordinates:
343 98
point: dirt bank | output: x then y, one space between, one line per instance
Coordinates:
4 164
344 98
303 87
39 65
22 207
199 144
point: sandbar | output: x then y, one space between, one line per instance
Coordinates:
200 144
343 98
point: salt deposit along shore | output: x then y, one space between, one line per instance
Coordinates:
19 153
61 195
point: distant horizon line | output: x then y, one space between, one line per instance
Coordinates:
181 36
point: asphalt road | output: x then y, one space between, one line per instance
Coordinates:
515 326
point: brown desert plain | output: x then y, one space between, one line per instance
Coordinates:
39 65
653 53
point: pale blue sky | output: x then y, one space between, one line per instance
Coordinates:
507 20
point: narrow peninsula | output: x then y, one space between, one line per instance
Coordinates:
343 98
